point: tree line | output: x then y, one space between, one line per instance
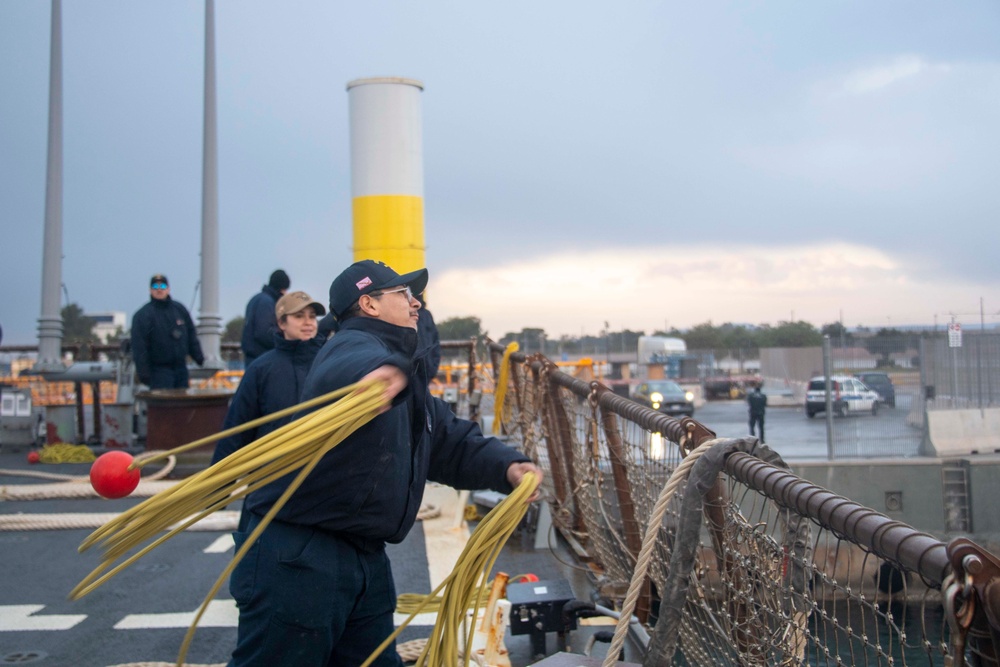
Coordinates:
706 337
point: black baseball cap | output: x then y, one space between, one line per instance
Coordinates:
158 278
369 276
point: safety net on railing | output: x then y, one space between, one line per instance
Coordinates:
746 563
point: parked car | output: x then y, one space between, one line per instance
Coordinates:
882 383
666 396
847 394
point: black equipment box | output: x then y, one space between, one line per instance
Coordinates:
536 606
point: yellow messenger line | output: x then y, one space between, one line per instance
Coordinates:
500 396
466 586
298 445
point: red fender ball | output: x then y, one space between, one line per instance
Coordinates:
530 578
33 457
110 476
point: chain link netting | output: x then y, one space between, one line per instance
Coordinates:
780 576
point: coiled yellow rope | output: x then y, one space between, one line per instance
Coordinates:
466 587
63 452
413 603
501 393
298 445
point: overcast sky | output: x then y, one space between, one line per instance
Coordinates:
649 164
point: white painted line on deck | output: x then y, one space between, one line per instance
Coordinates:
444 537
218 614
221 545
18 617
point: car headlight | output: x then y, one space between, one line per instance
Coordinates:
689 397
657 448
656 397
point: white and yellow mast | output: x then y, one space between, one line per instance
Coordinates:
387 174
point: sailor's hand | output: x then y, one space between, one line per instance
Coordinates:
516 472
394 380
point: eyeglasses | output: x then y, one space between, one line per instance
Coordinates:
405 289
158 286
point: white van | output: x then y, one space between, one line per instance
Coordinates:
847 394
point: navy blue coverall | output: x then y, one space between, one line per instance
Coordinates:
316 589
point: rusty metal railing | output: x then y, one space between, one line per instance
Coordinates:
786 572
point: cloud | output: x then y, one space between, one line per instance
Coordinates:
874 78
651 288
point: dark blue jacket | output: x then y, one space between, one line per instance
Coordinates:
260 325
273 382
163 335
370 486
428 342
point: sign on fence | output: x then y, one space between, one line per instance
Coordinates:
954 335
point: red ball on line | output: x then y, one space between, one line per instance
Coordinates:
110 476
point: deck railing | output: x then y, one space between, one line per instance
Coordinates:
751 563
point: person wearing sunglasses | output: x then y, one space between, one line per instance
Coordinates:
162 338
316 588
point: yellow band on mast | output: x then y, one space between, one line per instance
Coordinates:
390 228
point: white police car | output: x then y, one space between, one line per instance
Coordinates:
847 394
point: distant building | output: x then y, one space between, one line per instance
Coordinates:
850 359
108 325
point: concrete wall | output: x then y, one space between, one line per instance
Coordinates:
961 432
916 483
919 482
984 479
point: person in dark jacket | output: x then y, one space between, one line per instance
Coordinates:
316 589
428 339
259 324
327 326
163 336
275 379
757 406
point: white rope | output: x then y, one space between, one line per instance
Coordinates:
74 489
674 482
78 486
219 521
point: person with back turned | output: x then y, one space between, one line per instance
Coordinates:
259 324
163 336
757 403
316 589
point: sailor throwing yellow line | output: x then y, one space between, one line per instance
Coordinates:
311 577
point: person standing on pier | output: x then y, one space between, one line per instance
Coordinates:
758 405
316 588
259 324
163 336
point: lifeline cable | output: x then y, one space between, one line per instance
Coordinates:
297 445
466 586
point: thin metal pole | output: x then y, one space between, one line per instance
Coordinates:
50 324
954 371
829 401
979 354
209 318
